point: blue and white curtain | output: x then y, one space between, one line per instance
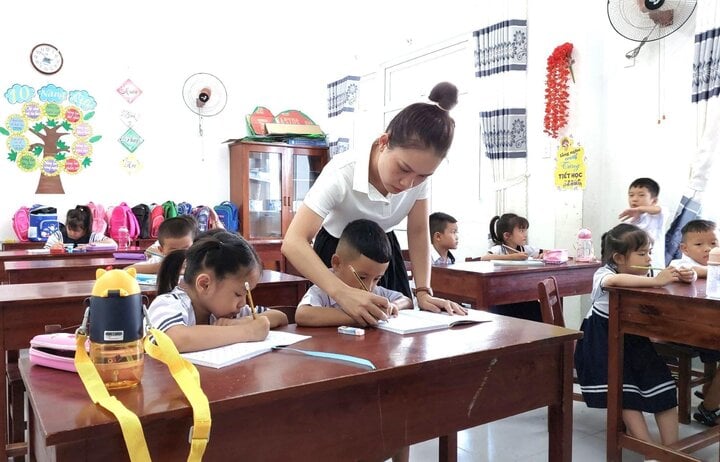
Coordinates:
705 94
501 71
342 95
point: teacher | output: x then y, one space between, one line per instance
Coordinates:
386 185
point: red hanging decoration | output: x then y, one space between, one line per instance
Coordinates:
559 67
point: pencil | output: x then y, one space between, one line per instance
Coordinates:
357 276
252 304
647 267
510 248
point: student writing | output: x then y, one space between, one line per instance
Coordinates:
77 230
207 309
647 383
386 185
364 249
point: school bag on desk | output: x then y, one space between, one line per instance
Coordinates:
99 218
184 208
122 215
157 216
227 213
21 223
206 218
43 222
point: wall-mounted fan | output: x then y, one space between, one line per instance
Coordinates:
648 20
205 95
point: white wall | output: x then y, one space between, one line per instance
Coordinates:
284 58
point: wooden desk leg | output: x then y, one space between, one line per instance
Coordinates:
448 448
3 405
560 415
615 373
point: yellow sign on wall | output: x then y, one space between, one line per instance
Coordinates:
570 167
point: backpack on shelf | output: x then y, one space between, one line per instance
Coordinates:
170 209
42 223
21 223
227 213
99 218
122 215
157 216
184 208
142 213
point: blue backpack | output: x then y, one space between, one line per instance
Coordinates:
228 215
43 222
184 208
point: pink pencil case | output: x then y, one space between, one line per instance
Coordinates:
54 350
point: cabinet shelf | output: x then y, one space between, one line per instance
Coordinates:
265 175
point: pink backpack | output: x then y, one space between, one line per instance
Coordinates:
99 223
21 223
120 216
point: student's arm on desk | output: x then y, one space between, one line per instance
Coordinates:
663 278
204 337
276 317
146 268
323 316
509 256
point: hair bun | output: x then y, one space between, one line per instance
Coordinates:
445 94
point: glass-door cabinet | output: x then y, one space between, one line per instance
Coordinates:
268 182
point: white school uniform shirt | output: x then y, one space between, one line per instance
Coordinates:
175 309
599 296
685 260
315 296
57 237
343 193
654 225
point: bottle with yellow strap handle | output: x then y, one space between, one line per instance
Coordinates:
116 312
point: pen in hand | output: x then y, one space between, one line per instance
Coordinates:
362 284
510 248
252 304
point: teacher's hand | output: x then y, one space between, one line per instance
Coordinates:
363 307
437 305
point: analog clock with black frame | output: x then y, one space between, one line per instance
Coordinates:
46 58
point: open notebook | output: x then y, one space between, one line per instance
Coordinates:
412 321
518 262
231 354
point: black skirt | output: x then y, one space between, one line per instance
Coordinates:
395 277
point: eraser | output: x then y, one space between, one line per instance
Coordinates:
351 330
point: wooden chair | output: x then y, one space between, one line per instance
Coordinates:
552 311
679 359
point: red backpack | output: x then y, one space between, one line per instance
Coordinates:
21 223
157 216
120 216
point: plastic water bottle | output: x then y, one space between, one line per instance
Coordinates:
584 246
123 238
712 289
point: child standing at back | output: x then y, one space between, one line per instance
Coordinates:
77 230
207 308
443 237
645 213
647 383
509 234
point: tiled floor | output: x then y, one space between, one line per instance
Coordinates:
500 441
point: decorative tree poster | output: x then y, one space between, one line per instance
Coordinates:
570 167
59 120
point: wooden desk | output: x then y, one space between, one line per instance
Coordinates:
22 245
284 406
76 269
17 255
483 284
25 310
679 313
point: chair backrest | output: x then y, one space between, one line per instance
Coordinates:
550 302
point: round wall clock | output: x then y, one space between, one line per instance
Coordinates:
46 58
